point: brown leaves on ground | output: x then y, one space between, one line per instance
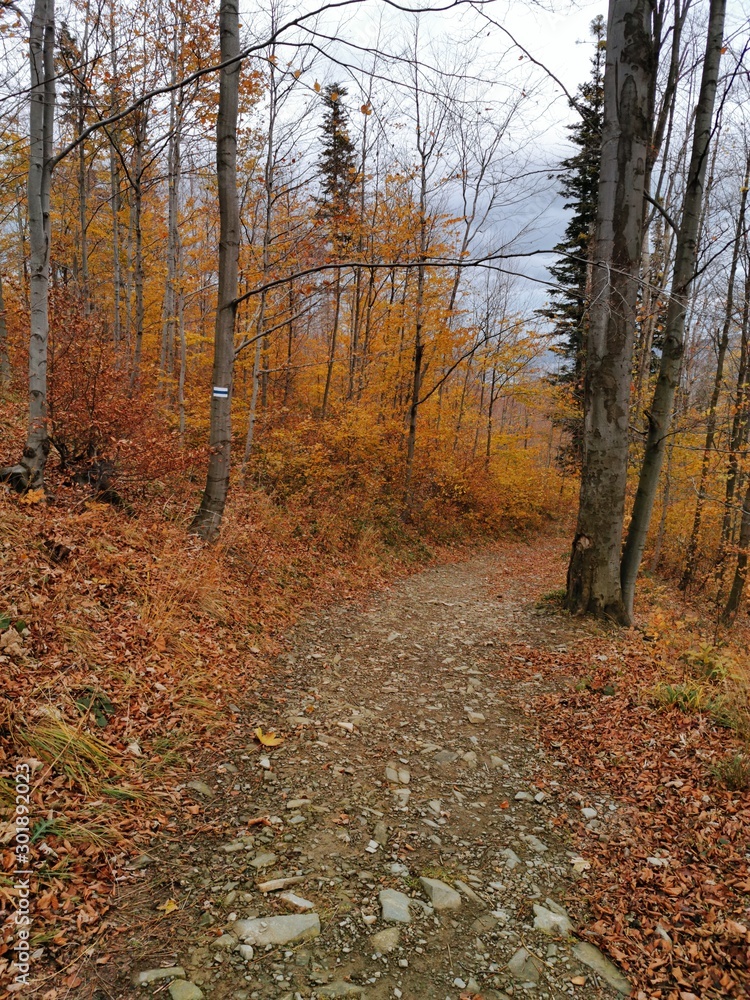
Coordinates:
669 887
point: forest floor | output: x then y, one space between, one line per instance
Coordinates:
458 728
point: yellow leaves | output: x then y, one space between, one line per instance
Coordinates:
169 907
269 739
366 109
32 497
316 87
297 74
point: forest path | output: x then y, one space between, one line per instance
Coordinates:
403 759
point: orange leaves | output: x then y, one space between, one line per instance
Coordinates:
269 739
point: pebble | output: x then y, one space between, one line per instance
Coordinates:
525 967
224 943
303 905
153 975
385 941
589 813
467 891
549 922
475 718
340 989
523 797
201 787
511 858
442 896
535 844
394 906
180 989
594 959
278 930
263 860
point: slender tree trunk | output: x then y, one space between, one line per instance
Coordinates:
250 437
659 416
332 346
740 573
738 433
289 345
41 123
141 127
418 369
692 551
488 451
169 307
593 572
183 363
207 521
114 187
5 369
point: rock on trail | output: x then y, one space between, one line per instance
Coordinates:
406 808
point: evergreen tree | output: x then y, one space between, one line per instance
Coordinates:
337 164
568 308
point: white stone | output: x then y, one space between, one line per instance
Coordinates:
524 967
153 975
475 718
592 957
385 941
589 813
303 905
263 860
442 896
340 989
278 930
511 858
180 989
224 943
395 906
549 922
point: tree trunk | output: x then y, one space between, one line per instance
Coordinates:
140 139
170 304
5 369
740 573
41 122
738 434
332 346
207 521
692 552
659 417
593 572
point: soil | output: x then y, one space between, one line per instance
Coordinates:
406 754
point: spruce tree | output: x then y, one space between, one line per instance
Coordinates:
337 164
568 307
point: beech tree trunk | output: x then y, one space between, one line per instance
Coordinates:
41 121
207 521
594 569
5 370
740 573
692 553
660 413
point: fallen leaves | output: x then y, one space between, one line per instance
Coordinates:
269 739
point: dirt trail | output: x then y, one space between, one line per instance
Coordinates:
402 760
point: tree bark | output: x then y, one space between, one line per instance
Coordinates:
740 573
5 369
692 552
593 573
207 521
41 122
659 417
